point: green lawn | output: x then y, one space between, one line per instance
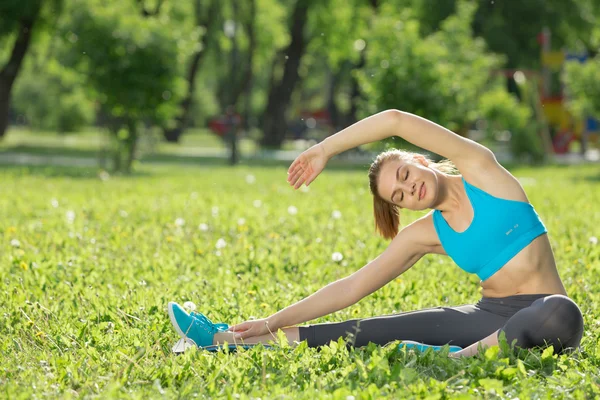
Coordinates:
88 263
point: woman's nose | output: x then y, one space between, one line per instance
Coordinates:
408 187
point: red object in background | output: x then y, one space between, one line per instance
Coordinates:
219 125
321 116
561 141
541 38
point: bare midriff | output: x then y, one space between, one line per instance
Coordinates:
532 271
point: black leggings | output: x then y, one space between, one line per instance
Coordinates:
532 319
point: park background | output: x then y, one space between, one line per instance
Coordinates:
143 155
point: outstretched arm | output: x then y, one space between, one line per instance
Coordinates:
406 248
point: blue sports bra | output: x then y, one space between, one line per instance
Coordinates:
499 230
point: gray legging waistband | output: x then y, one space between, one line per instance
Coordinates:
507 306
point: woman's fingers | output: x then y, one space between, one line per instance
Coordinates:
296 175
294 165
238 327
301 179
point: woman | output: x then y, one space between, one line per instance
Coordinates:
482 219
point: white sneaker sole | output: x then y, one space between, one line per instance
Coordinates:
175 324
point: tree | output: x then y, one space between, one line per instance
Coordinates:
207 18
439 77
274 119
512 27
18 18
131 67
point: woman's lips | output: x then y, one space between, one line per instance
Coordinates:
422 191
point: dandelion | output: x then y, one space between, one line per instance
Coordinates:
292 210
264 305
337 256
336 214
218 253
304 189
199 252
189 305
594 240
180 222
251 292
257 203
250 179
241 221
203 227
54 203
170 239
123 213
24 266
70 216
11 229
15 243
194 195
221 243
318 240
215 211
104 176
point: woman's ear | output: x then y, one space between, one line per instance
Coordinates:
421 160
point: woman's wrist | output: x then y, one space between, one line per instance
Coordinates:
327 148
273 322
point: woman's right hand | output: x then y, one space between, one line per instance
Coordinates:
256 327
307 166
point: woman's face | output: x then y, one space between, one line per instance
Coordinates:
408 184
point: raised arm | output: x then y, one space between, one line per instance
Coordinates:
419 131
416 130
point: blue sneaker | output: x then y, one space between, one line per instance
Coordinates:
409 344
195 326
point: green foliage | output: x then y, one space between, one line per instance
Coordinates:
131 66
503 112
13 11
129 61
512 28
53 99
583 85
89 262
439 77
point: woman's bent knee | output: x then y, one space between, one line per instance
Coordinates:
552 320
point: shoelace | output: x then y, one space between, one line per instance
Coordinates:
207 324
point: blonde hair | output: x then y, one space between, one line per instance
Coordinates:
387 215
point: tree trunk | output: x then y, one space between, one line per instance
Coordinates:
332 108
274 121
355 93
131 144
9 73
248 79
172 135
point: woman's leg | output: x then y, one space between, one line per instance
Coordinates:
552 320
459 326
292 334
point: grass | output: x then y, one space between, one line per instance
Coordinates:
89 261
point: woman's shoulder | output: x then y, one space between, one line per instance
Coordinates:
494 179
423 234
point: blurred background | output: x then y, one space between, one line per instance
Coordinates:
114 83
